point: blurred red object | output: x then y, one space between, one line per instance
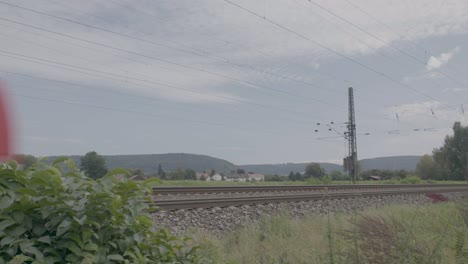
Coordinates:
6 151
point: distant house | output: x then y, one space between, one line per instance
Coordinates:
206 177
255 176
375 178
234 177
216 177
244 177
202 176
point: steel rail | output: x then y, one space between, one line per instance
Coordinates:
239 201
175 190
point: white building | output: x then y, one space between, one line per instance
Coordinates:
216 177
255 176
237 178
202 176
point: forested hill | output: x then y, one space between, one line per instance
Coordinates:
391 163
169 162
172 161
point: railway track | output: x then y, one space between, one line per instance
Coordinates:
176 190
342 193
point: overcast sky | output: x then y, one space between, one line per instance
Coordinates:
246 81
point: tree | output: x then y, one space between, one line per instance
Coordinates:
183 174
161 173
313 170
212 172
452 157
427 168
240 171
337 175
27 160
93 165
190 174
298 176
291 176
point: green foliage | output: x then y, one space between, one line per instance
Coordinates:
276 178
295 176
385 174
427 168
313 170
93 165
182 174
137 172
337 175
161 173
27 160
324 180
411 180
240 171
50 215
452 157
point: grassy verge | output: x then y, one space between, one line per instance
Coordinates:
316 182
435 233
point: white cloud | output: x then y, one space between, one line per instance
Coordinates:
439 61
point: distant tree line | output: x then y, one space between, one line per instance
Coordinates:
449 162
276 178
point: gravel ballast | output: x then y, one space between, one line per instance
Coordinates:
225 219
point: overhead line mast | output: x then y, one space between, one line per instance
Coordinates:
351 162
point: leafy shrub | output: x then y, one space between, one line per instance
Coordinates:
323 180
55 214
411 180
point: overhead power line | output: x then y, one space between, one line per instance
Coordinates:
126 78
139 113
382 40
230 42
333 51
185 51
301 98
104 29
218 58
114 109
360 40
120 93
391 133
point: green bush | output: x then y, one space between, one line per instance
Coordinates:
322 180
411 180
55 214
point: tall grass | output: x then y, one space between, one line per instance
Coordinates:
434 233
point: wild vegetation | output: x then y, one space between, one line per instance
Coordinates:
449 162
55 214
93 165
436 233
